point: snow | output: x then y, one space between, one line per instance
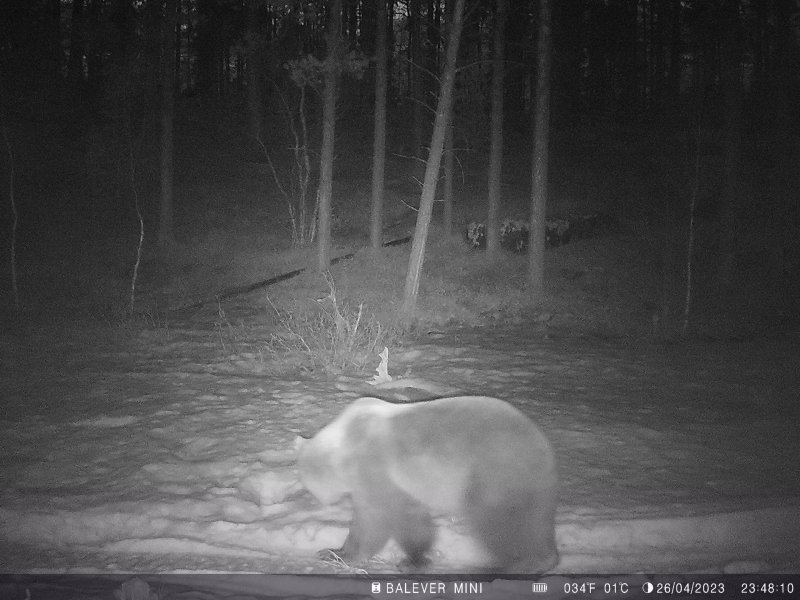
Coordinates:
165 452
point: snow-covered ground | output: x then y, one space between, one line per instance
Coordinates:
163 451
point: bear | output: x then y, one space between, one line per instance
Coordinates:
471 457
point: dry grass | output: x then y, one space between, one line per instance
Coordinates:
334 337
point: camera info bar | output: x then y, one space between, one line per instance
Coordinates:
417 587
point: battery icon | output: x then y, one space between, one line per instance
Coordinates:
539 586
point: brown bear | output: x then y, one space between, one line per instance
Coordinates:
473 457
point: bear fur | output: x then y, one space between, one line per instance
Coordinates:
473 457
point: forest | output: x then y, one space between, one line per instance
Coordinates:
224 221
159 152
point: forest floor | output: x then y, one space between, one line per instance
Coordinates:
166 445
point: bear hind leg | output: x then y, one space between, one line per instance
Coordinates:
414 531
518 530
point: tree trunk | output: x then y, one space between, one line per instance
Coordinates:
390 49
674 73
379 141
165 221
417 96
659 82
368 32
255 78
730 81
541 153
52 39
449 174
432 167
206 46
516 81
94 50
77 45
496 152
354 23
176 90
333 40
568 44
449 158
189 74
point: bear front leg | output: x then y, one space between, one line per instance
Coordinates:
368 534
